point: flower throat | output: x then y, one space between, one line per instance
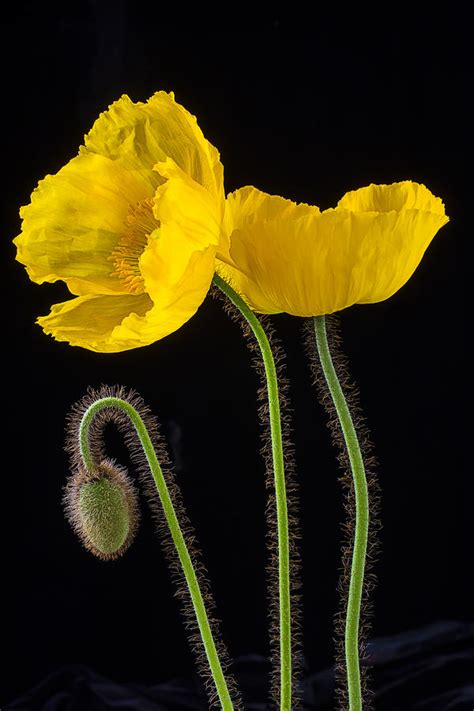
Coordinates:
139 225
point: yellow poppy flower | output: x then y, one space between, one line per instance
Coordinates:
131 224
287 257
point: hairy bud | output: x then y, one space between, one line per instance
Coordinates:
102 509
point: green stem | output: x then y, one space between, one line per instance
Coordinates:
361 516
174 527
280 491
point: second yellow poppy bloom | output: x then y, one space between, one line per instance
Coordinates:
288 257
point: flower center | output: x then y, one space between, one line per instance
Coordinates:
139 225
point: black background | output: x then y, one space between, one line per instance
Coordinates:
305 106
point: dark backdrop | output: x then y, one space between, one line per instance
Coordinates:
306 106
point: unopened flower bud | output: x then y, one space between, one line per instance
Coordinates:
102 509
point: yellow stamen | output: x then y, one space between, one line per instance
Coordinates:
140 223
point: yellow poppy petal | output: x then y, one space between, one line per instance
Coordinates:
172 306
280 266
253 219
109 324
139 135
247 205
405 195
90 321
75 221
190 216
322 262
190 223
387 249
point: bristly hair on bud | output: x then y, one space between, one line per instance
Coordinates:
102 508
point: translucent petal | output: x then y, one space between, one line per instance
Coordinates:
74 222
405 195
139 135
89 321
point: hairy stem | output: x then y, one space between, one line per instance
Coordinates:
361 516
280 492
174 527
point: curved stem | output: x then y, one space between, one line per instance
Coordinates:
361 516
174 527
280 491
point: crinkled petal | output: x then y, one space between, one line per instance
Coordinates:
258 260
322 262
188 207
139 135
190 221
74 222
109 324
91 321
172 307
282 266
385 250
405 195
247 205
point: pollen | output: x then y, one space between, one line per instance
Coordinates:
139 225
